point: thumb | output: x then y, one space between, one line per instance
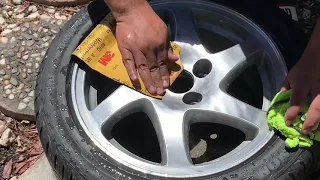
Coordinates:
285 84
171 56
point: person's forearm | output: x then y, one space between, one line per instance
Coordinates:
122 7
312 49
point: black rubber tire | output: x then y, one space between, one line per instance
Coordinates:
73 156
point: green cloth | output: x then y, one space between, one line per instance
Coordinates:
276 113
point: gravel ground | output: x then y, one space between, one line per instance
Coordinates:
26 32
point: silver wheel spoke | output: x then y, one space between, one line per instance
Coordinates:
241 112
235 58
173 135
120 103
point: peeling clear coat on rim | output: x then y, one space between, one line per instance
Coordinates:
171 117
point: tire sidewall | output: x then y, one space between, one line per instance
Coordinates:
66 143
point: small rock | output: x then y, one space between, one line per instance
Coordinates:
17 2
4 95
7 77
29 42
22 106
10 13
54 31
45 39
23 75
25 57
45 30
29 71
27 90
19 55
19 16
26 100
11 96
29 64
2 126
50 10
26 36
38 59
26 25
5 14
14 91
35 23
6 82
2 72
23 43
22 48
45 17
31 93
2 62
36 65
7 138
33 15
13 81
22 95
35 55
6 31
35 35
43 53
16 49
21 85
11 26
14 70
7 92
21 157
46 44
4 40
14 178
18 10
32 8
58 16
13 40
59 22
2 20
16 29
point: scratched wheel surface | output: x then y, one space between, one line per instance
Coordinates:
211 124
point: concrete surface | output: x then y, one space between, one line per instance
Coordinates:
41 170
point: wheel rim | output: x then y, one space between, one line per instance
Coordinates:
206 101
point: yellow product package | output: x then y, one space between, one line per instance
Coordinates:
99 50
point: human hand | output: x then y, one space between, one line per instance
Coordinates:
304 80
143 42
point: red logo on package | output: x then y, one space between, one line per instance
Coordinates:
106 58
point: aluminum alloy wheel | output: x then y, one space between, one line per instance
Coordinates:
207 100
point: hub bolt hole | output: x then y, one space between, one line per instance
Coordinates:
202 68
183 83
192 98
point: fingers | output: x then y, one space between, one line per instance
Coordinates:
162 58
155 71
144 71
313 114
297 99
129 63
285 85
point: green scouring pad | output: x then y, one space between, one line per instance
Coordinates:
276 114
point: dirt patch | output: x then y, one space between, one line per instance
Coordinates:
21 149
